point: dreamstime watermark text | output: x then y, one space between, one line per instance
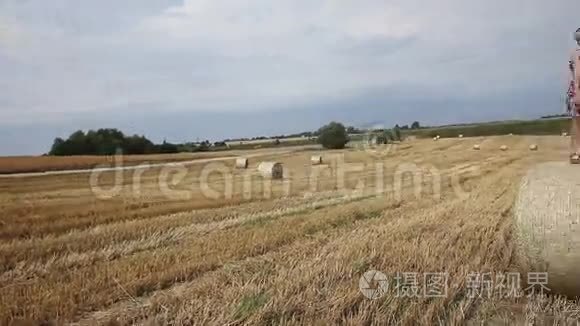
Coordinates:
220 180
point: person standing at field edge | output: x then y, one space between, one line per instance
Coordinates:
574 101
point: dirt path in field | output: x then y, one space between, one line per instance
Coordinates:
293 258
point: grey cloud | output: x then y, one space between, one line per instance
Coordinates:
77 18
70 64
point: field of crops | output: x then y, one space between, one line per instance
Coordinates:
39 164
215 245
541 127
24 164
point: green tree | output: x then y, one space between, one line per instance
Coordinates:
75 144
204 146
137 145
397 133
57 147
353 130
381 138
333 136
101 142
416 125
167 148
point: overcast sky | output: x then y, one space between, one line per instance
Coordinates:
197 69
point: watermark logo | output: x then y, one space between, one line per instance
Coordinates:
376 142
374 285
217 180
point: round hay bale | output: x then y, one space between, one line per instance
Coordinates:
476 147
435 139
271 170
547 225
533 147
503 148
316 160
460 136
242 163
564 134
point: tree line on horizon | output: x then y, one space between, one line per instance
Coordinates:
335 135
109 141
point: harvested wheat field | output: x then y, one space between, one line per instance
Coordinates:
41 164
237 249
26 164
